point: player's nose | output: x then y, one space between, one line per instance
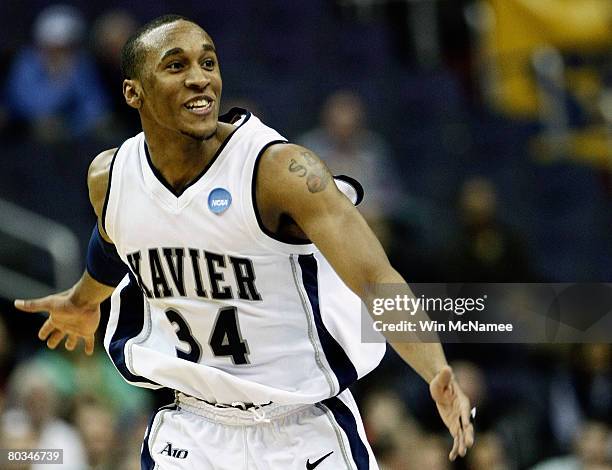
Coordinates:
196 78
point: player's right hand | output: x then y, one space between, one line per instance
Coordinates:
66 320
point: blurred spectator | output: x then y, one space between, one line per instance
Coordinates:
594 446
486 250
36 407
98 427
433 452
489 454
16 432
53 86
592 450
393 433
110 32
348 147
581 391
132 442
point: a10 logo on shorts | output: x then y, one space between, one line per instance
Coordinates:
174 452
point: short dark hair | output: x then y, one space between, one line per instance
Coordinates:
132 53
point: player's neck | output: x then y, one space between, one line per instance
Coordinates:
180 158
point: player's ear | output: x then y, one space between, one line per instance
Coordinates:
132 93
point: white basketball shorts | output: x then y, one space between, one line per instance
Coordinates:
193 434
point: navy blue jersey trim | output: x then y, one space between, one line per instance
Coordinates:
146 460
287 240
129 324
233 115
108 188
163 180
340 363
346 420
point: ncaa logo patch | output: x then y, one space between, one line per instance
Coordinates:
219 200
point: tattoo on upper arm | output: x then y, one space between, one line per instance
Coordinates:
296 167
317 175
309 158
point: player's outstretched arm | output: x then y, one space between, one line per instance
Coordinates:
293 181
75 313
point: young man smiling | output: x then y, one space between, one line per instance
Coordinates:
243 292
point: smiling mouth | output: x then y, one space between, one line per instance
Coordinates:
200 106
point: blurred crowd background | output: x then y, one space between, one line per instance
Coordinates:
481 130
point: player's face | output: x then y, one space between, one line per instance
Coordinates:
181 80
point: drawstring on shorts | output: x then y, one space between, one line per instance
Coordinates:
237 412
259 414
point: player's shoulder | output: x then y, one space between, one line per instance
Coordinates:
282 150
288 156
283 165
288 177
273 164
98 177
286 160
100 165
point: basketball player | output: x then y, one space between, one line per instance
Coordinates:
246 268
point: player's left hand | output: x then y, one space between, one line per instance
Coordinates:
454 409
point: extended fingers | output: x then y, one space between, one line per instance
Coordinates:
71 342
462 447
455 431
455 450
89 345
469 435
45 330
49 333
34 305
459 446
463 439
467 427
55 338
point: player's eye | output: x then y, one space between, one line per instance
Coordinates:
174 66
208 64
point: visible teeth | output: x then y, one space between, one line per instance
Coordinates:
199 103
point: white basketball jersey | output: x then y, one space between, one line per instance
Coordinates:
213 306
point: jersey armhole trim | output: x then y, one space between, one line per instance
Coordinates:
108 189
262 227
353 183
